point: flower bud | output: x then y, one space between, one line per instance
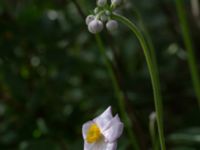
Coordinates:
115 2
96 10
107 12
152 116
104 17
101 3
89 19
111 25
95 26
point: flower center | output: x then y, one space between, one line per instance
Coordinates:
93 134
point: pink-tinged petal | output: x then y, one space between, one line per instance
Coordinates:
114 120
99 145
104 119
85 128
112 146
114 130
88 146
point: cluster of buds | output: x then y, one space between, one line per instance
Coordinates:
102 14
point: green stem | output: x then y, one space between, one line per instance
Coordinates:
149 40
153 74
119 95
189 46
147 35
152 126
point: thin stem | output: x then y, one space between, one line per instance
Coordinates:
149 41
147 35
189 46
119 95
152 126
153 74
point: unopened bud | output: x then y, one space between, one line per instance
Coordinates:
104 17
101 3
115 2
96 10
107 12
95 26
152 116
111 25
89 19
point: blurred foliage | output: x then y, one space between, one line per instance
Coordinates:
53 79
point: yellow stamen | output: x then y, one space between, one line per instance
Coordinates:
93 134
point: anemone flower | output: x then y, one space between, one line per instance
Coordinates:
102 132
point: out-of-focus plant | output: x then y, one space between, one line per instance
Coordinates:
190 48
53 78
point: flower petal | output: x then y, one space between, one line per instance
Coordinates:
114 130
85 128
104 119
112 146
100 145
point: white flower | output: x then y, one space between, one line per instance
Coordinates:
102 132
112 25
95 26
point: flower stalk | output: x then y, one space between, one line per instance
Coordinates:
95 26
153 74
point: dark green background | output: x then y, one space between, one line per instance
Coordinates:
53 78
